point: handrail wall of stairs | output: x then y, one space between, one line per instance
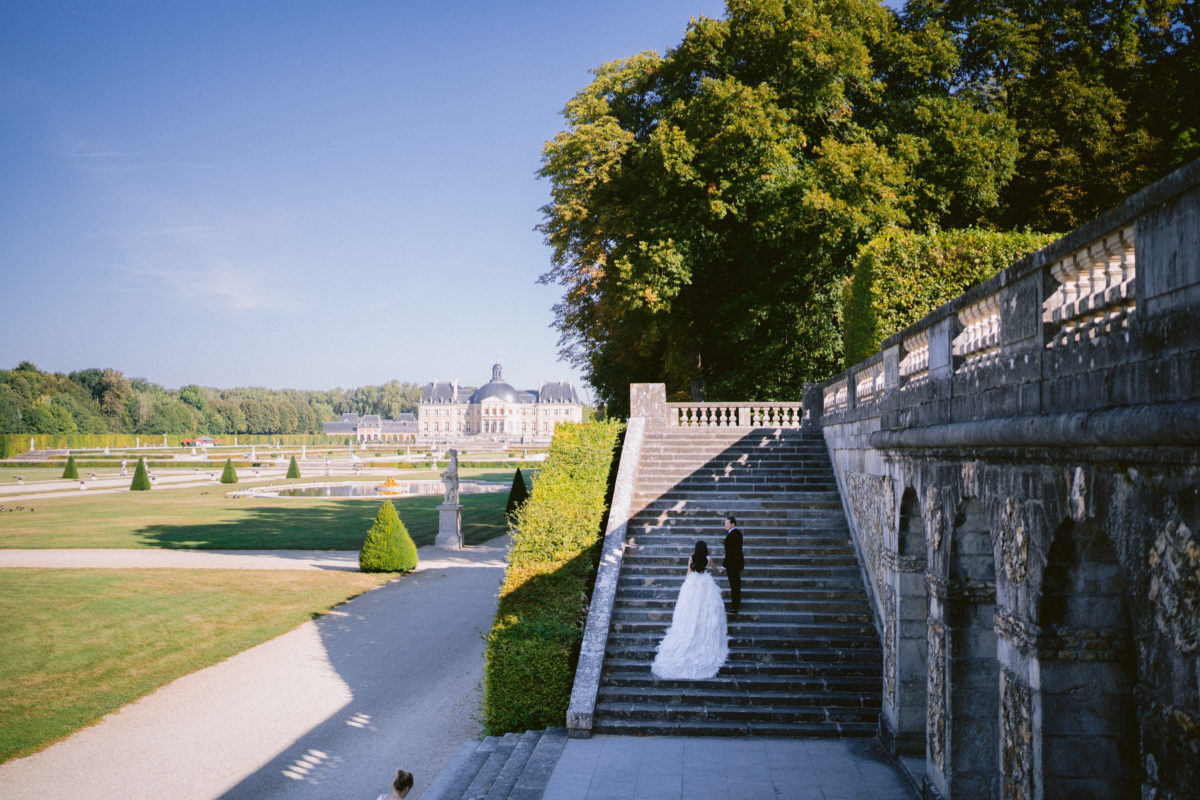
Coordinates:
582 706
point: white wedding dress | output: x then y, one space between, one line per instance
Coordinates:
697 643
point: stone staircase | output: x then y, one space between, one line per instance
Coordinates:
516 766
804 655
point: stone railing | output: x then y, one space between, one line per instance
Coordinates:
1068 329
734 415
979 342
868 381
649 402
1095 292
914 367
836 394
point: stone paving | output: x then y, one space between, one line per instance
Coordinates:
701 768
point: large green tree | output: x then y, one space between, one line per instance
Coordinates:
1103 94
706 204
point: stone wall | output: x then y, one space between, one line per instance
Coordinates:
1021 471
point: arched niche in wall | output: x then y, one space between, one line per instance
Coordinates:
911 631
911 531
972 682
1088 742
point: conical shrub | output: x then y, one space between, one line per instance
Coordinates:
141 480
229 474
70 471
516 495
293 469
387 547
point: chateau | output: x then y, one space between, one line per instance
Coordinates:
495 411
373 428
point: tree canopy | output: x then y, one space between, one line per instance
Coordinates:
104 400
708 203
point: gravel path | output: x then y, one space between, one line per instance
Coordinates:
149 558
330 710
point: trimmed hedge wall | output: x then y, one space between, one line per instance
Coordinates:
15 444
902 275
534 642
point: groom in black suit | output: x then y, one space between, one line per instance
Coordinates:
734 562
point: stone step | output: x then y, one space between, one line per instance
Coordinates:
673 538
750 513
630 614
728 728
760 655
766 550
714 448
649 711
647 640
490 769
512 767
647 573
641 680
617 668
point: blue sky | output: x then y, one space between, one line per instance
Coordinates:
291 194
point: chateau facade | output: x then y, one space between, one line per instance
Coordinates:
495 411
373 428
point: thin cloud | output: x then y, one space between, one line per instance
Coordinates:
234 288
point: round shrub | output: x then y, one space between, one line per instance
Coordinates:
387 547
70 471
141 480
293 469
229 474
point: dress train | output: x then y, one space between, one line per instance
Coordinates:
697 643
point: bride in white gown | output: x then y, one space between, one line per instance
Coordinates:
697 643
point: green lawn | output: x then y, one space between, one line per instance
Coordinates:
79 644
204 517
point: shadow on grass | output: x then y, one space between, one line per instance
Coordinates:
327 525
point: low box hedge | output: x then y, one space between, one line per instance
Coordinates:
534 642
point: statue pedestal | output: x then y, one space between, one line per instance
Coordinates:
449 536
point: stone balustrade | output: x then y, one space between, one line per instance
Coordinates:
1061 331
979 342
735 415
914 367
836 395
1095 293
649 401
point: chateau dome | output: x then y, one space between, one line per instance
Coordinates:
495 388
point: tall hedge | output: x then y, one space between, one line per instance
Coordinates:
141 480
70 470
534 641
517 495
293 469
387 546
229 474
902 275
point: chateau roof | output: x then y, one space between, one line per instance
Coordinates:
558 392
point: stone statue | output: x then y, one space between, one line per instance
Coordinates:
450 477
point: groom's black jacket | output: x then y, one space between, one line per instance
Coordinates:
734 560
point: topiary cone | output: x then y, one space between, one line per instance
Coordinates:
70 471
141 481
517 495
293 469
387 546
229 474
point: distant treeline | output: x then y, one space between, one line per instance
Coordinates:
105 401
